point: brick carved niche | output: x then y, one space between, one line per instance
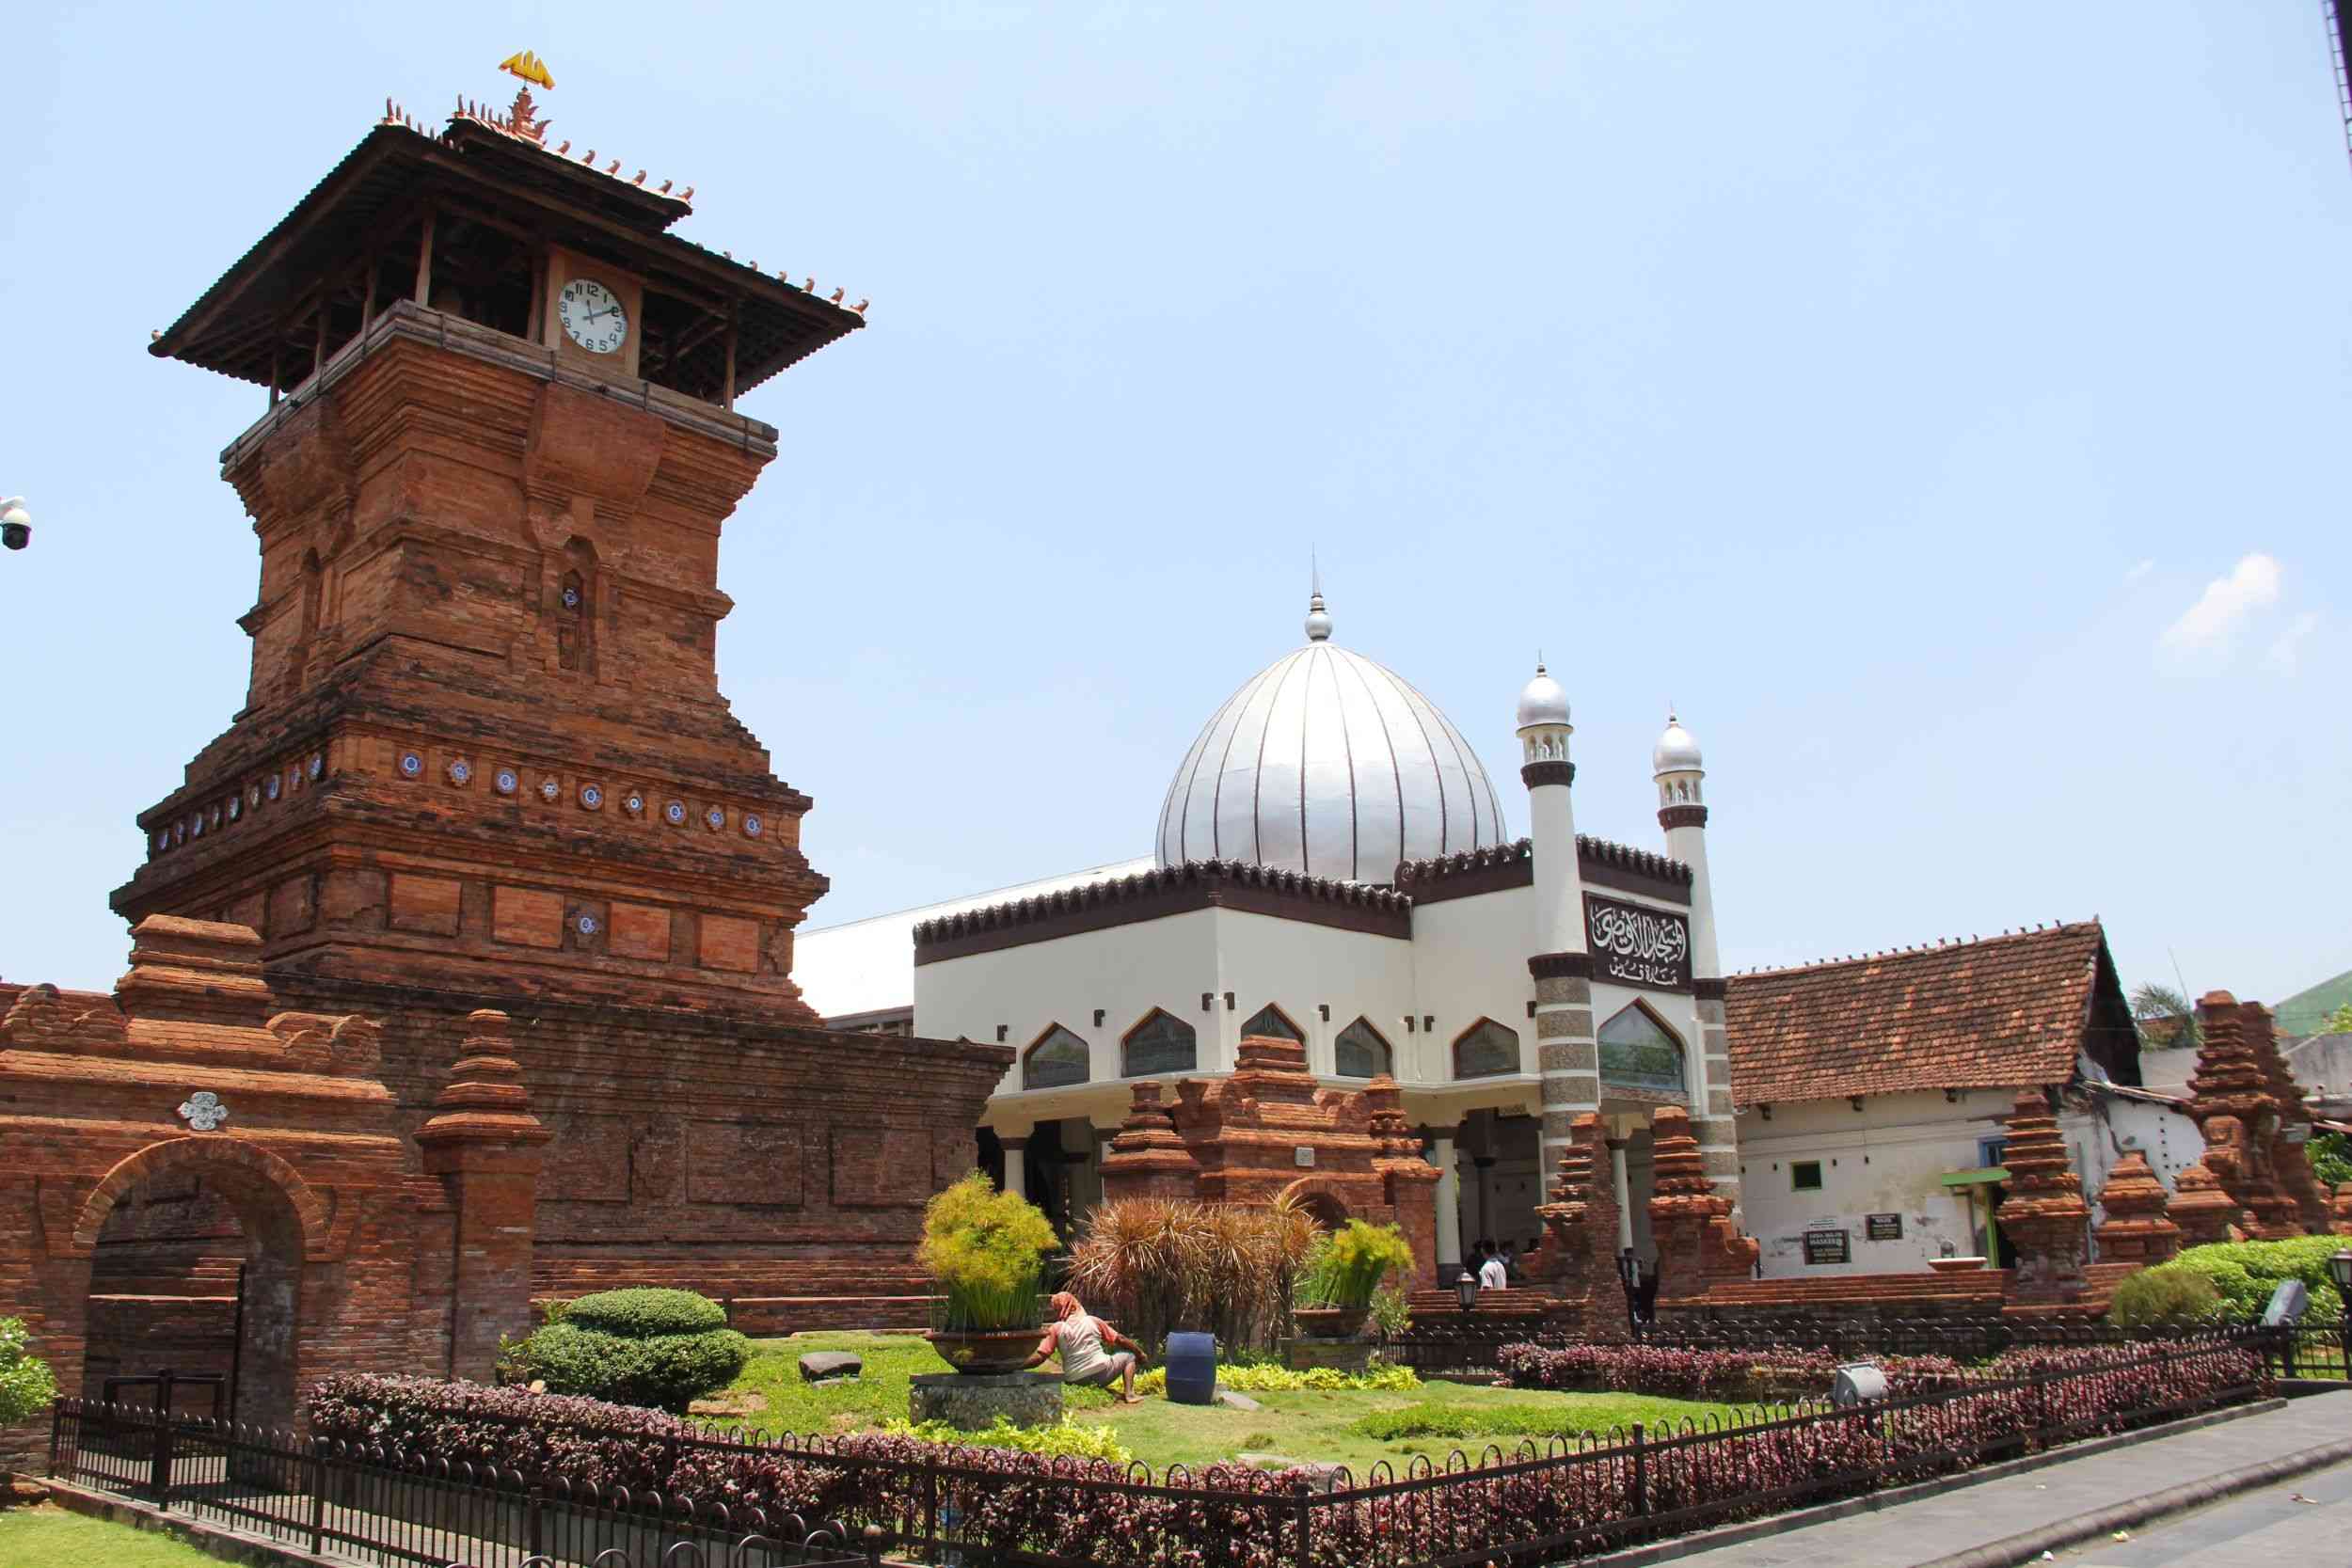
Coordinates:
190 1081
1269 1131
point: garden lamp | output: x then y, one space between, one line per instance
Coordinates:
1465 1290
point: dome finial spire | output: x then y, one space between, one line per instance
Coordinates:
1318 619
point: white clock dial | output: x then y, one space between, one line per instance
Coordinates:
591 316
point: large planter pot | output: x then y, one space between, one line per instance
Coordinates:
1332 1323
985 1352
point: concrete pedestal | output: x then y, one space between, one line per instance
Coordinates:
1346 1355
971 1402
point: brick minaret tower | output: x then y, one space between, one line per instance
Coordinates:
1568 1059
483 745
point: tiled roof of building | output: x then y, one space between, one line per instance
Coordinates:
2000 1013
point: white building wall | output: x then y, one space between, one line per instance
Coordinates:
1887 1158
1469 958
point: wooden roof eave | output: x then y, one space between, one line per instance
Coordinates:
818 322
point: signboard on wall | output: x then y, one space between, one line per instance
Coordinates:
1882 1228
1827 1247
1633 946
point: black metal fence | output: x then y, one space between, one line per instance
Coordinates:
992 1509
385 1506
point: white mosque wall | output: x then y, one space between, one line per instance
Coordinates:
1123 971
1303 968
1888 1157
1469 957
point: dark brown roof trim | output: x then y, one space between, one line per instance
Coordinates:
1599 863
1469 873
1532 774
1162 892
1671 817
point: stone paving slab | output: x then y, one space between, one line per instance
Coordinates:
2306 1521
1923 1530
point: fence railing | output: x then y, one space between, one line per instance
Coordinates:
388 1506
990 1508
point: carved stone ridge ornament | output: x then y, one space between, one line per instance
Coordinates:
202 1111
1637 946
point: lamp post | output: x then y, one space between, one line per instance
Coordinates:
16 524
2340 1269
1465 1292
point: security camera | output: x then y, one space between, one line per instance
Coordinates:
16 524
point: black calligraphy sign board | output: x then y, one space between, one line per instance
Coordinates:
1636 947
1882 1228
1827 1247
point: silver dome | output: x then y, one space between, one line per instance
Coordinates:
1542 701
1329 765
1675 752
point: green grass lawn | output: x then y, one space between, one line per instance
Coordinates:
1356 1429
50 1537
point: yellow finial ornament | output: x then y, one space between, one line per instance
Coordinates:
530 68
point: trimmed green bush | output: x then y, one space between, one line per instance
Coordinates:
26 1384
2167 1296
2244 1274
642 1311
659 1347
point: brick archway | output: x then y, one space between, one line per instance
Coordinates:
227 1158
282 1224
1320 1198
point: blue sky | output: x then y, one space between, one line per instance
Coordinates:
1943 404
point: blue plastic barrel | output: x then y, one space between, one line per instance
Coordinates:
1191 1368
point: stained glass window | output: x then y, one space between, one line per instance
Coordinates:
1057 1058
1638 1052
1267 1022
1161 1043
1485 1051
1362 1053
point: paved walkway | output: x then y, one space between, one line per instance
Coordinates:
1967 1517
2306 1521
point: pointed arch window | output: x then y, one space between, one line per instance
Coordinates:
1485 1050
1361 1052
1058 1057
1639 1052
1270 1022
1161 1043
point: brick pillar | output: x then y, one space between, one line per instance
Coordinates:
2201 1208
486 1145
2134 1228
2045 1214
1690 1220
1578 1260
2232 1098
2344 1209
1408 1183
1148 1158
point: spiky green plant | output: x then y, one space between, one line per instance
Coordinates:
1350 1267
987 1250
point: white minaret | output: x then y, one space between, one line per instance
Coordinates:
1565 1057
1682 811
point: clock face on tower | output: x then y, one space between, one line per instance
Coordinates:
593 316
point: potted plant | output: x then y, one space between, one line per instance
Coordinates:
986 1250
1343 1275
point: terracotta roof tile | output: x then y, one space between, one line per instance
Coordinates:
2001 1013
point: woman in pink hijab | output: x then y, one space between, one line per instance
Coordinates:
1093 1353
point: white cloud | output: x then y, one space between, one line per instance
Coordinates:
2139 571
2211 624
2286 650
